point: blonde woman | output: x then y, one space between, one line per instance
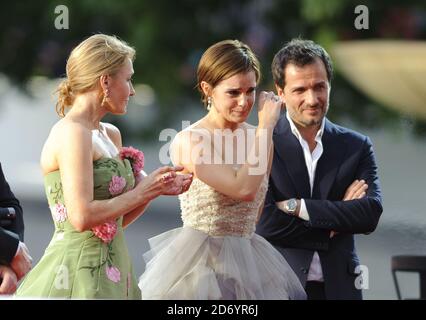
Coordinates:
94 185
216 254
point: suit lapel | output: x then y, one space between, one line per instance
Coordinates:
290 152
334 149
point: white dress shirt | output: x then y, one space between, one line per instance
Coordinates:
311 160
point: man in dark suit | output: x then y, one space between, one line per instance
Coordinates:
15 260
323 186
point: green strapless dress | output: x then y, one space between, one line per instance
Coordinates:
85 265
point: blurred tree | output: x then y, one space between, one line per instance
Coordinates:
170 36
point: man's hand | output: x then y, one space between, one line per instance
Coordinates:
8 280
21 263
356 190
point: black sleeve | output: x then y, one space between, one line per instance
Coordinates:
355 216
287 231
8 246
10 235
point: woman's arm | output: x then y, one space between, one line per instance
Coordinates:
75 161
194 150
241 184
271 157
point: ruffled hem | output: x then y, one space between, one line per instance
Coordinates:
185 263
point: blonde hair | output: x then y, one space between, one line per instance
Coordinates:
98 55
224 60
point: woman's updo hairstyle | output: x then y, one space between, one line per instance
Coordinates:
98 55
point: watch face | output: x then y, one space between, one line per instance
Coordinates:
291 205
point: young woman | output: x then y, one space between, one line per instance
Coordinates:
216 254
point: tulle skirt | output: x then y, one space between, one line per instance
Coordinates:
185 263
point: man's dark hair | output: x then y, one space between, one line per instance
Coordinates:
299 52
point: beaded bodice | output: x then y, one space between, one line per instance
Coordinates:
205 209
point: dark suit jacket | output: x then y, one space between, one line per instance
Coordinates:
347 155
10 235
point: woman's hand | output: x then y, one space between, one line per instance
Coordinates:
164 181
179 185
269 109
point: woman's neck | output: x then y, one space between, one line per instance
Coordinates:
88 109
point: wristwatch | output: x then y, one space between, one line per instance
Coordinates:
12 213
291 207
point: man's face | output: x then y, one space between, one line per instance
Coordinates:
306 93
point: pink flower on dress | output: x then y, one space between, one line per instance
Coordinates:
59 213
113 273
136 158
106 231
116 185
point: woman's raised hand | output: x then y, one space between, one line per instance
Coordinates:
269 109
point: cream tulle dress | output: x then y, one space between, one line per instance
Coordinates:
216 254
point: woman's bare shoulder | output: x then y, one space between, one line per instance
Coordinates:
67 126
61 134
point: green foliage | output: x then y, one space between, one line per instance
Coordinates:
170 36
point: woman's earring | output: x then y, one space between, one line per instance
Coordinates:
106 96
209 103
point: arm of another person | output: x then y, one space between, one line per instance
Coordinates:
8 200
8 246
13 252
10 237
